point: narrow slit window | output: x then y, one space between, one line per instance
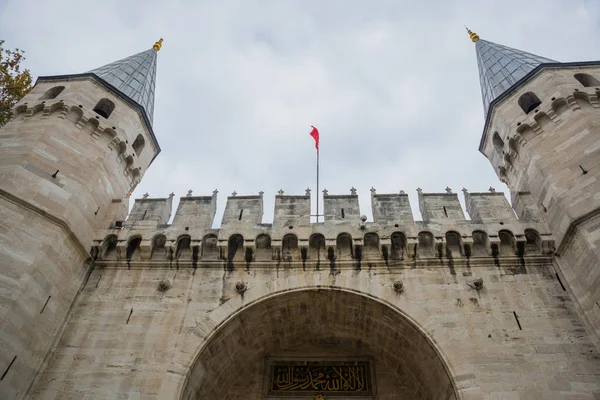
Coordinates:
241 213
343 214
445 212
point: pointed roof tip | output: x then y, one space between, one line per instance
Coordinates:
474 37
158 45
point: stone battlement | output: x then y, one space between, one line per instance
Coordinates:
344 238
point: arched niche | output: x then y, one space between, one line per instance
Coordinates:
133 248
344 249
210 250
105 107
453 244
498 142
264 251
324 325
289 248
184 249
159 251
398 240
528 102
587 80
235 248
316 247
480 244
426 242
108 249
533 242
507 243
52 93
371 246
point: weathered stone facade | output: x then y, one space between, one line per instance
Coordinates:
500 305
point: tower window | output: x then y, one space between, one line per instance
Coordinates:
138 144
587 80
52 93
528 102
105 107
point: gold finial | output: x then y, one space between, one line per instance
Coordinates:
157 45
473 35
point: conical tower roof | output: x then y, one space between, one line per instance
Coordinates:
134 77
501 67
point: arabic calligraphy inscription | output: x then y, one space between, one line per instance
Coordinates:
311 377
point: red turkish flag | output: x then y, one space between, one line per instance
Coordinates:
315 134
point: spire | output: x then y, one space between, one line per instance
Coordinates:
500 67
474 37
134 77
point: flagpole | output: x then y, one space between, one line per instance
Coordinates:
318 195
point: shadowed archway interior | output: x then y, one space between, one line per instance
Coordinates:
320 324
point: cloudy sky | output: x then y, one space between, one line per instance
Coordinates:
392 85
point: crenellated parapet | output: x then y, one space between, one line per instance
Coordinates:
344 239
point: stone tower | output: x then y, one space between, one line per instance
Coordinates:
76 147
542 136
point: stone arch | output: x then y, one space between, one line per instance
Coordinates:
138 144
52 93
57 107
289 248
184 248
507 243
587 80
91 125
210 250
533 242
582 99
371 246
20 110
528 102
513 145
526 132
561 107
498 142
330 324
235 248
108 249
453 244
264 252
104 108
543 120
121 148
107 135
316 247
158 251
133 248
75 114
129 161
37 108
344 248
398 240
481 243
426 244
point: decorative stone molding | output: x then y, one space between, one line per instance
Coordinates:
241 287
164 285
477 284
398 287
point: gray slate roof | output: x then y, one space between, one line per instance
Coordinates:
500 67
135 77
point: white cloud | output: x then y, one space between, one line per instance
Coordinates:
392 85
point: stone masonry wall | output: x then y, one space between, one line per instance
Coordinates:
65 172
169 306
553 154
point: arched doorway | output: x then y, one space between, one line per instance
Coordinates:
318 329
